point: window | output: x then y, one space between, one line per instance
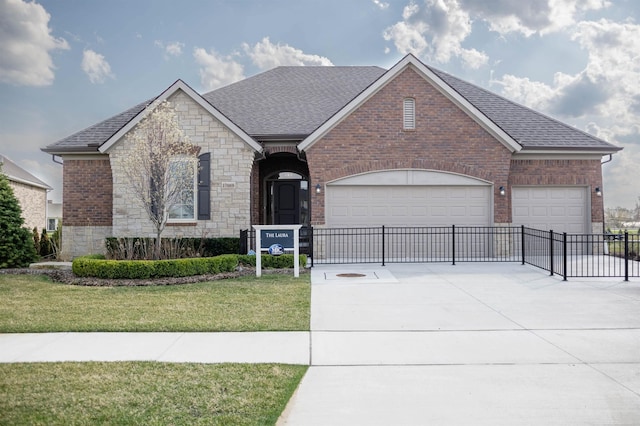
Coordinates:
182 181
409 110
52 225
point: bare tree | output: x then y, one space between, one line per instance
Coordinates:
160 166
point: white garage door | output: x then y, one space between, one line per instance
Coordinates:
361 206
557 208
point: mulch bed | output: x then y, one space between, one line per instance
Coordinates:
68 277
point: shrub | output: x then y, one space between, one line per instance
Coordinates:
97 266
133 248
272 262
17 245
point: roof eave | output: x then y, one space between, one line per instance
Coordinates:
280 137
572 149
195 96
567 152
29 183
71 150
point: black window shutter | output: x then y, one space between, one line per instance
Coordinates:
204 181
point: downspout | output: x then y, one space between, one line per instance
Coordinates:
53 158
604 228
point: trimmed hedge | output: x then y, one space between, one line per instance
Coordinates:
90 266
283 261
99 267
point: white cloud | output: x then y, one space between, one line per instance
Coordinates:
267 55
171 49
381 4
531 16
436 30
603 98
26 45
607 87
95 66
217 70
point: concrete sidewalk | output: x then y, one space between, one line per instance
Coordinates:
480 344
264 347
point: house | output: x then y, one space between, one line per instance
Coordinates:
30 191
54 215
344 147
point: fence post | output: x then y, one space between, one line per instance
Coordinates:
243 241
311 249
383 245
564 256
453 243
551 251
522 243
626 255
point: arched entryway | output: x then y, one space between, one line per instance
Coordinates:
284 190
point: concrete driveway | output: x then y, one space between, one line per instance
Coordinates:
481 344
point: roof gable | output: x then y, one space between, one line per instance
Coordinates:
182 86
16 173
427 74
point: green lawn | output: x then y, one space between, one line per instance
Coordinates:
150 393
136 393
274 302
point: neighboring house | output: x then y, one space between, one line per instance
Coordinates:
54 215
30 191
345 147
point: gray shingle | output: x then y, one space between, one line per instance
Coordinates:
92 137
529 128
291 100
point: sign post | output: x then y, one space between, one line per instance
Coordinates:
277 237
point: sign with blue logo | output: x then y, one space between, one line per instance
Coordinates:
276 250
275 239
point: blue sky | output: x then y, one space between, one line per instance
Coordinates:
65 65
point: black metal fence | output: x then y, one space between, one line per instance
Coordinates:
567 255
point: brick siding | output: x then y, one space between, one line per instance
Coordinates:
372 138
561 172
87 192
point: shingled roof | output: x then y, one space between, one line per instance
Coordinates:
531 129
16 173
289 103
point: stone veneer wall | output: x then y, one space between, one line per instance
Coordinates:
33 202
83 240
231 165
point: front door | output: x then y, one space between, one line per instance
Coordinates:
286 202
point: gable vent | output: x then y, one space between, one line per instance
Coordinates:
409 107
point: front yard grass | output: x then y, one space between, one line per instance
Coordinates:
275 302
145 393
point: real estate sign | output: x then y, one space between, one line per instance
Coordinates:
271 236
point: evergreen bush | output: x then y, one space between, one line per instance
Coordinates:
17 246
